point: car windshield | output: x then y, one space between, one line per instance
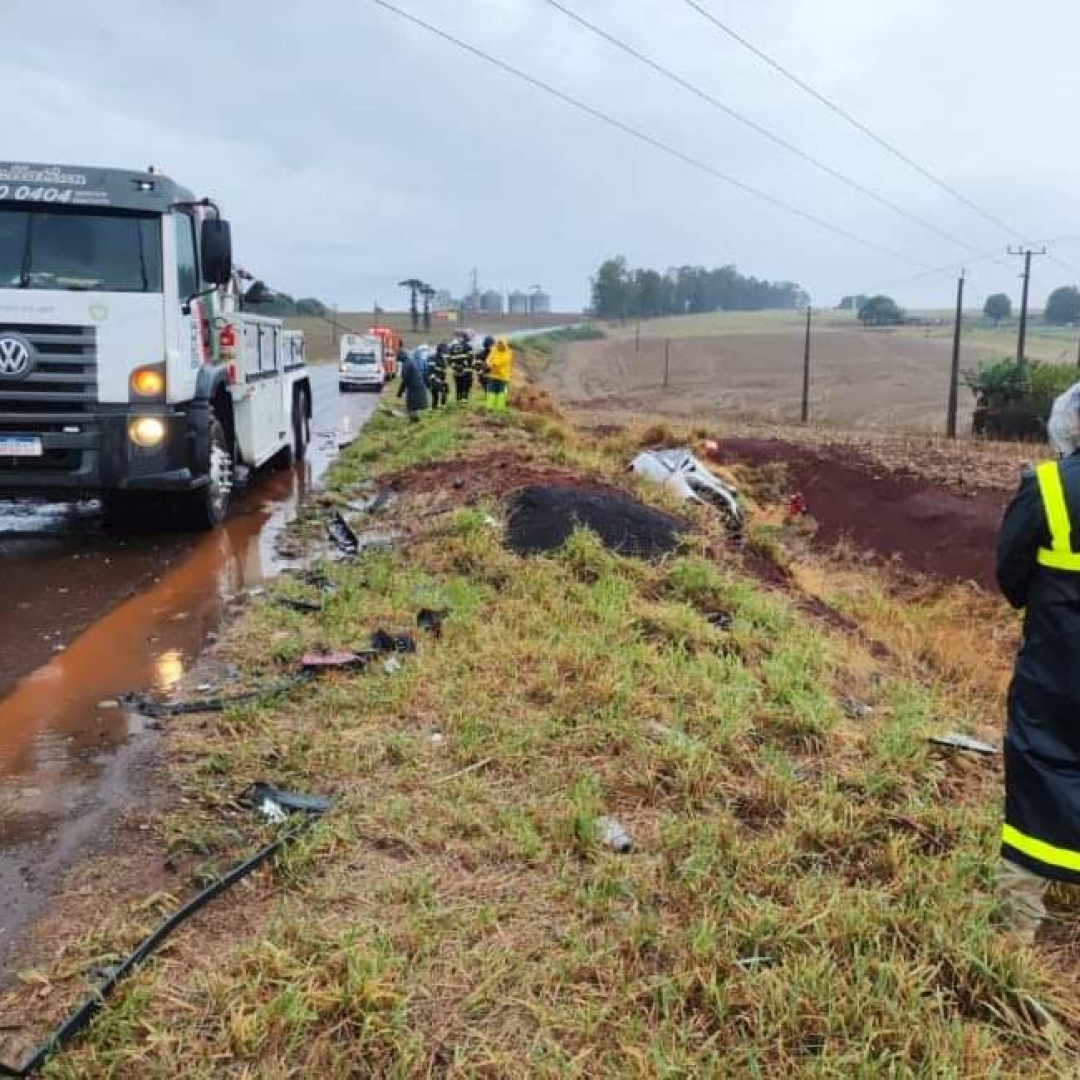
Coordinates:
79 250
360 358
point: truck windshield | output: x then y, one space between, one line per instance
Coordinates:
79 250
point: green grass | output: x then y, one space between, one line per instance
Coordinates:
782 912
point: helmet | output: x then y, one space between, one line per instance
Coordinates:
488 341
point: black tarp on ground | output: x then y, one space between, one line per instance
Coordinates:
543 518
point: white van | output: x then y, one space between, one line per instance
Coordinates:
361 365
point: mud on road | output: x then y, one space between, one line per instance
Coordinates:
90 614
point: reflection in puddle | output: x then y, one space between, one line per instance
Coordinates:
168 671
63 715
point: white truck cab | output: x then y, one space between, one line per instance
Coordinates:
130 367
361 364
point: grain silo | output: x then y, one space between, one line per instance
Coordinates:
491 303
539 303
519 303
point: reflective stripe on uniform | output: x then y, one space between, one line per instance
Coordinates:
1040 850
1060 555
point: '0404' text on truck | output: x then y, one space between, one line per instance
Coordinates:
129 367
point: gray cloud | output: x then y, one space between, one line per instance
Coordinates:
352 149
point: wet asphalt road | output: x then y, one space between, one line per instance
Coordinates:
88 614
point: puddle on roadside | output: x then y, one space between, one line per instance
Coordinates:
62 738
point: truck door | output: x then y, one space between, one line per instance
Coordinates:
269 406
192 325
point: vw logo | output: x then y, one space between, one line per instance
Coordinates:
15 355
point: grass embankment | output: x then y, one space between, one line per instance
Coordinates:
809 888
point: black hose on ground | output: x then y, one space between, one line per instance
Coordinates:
86 1012
157 710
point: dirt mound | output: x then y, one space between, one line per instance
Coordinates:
934 529
543 518
468 479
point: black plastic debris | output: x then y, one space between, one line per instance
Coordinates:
543 518
309 809
342 534
384 642
722 620
956 740
431 620
148 706
293 604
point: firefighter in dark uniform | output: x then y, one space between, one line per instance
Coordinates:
461 363
439 378
1038 568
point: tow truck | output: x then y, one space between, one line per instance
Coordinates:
132 368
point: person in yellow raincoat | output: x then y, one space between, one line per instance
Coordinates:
500 368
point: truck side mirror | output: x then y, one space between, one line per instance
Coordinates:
216 245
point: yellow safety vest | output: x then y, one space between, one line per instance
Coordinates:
1059 555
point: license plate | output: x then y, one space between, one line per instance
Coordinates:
20 446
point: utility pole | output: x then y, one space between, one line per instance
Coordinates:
1021 344
806 369
954 374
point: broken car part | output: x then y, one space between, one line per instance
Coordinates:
681 472
342 534
431 620
956 740
157 710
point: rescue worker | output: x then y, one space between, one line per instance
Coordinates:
1038 568
411 385
438 377
461 363
480 363
500 368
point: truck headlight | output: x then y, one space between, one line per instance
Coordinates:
146 431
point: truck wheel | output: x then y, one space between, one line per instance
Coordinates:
301 426
206 508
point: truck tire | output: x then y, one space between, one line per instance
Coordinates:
301 424
205 508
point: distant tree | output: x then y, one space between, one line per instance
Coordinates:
619 292
998 307
880 311
611 289
852 303
1063 307
414 285
311 307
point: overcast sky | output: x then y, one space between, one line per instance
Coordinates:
352 149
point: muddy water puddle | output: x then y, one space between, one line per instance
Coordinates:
90 615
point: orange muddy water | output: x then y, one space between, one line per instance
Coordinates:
87 615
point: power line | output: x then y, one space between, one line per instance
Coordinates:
650 140
843 114
760 129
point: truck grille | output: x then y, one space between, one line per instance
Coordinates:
63 384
